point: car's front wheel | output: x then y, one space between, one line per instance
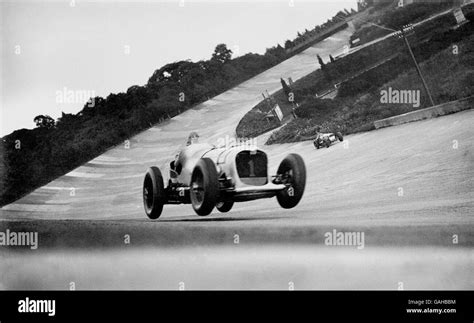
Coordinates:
292 171
154 196
204 186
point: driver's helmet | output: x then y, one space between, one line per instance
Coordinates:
192 138
318 132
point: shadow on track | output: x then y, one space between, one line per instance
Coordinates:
221 219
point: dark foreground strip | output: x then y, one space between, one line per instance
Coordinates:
444 306
220 231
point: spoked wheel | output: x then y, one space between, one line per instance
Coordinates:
293 174
204 187
224 206
154 196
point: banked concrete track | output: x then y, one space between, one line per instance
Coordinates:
110 185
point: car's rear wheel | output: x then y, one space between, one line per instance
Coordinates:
316 144
224 206
293 174
204 186
154 195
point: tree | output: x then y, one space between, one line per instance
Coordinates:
286 89
321 63
339 16
170 73
222 54
44 121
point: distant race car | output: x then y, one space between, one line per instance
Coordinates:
207 176
326 139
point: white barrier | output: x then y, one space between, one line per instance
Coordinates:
428 113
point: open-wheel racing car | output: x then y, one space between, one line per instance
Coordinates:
207 177
326 139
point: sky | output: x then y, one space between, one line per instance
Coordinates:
55 54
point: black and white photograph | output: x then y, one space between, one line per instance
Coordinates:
253 146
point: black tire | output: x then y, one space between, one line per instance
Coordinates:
316 144
224 206
339 136
328 143
154 195
204 187
294 170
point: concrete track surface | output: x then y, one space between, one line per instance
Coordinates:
409 189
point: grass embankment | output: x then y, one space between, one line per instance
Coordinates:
363 74
449 74
394 19
254 122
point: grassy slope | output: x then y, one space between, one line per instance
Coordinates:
357 89
394 19
449 77
254 123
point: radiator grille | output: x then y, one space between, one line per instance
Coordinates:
252 167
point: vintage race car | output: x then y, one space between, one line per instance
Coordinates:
207 176
326 139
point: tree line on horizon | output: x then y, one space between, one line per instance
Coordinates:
308 34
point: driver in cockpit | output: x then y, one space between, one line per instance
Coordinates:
184 158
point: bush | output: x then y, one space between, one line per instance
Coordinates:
316 108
